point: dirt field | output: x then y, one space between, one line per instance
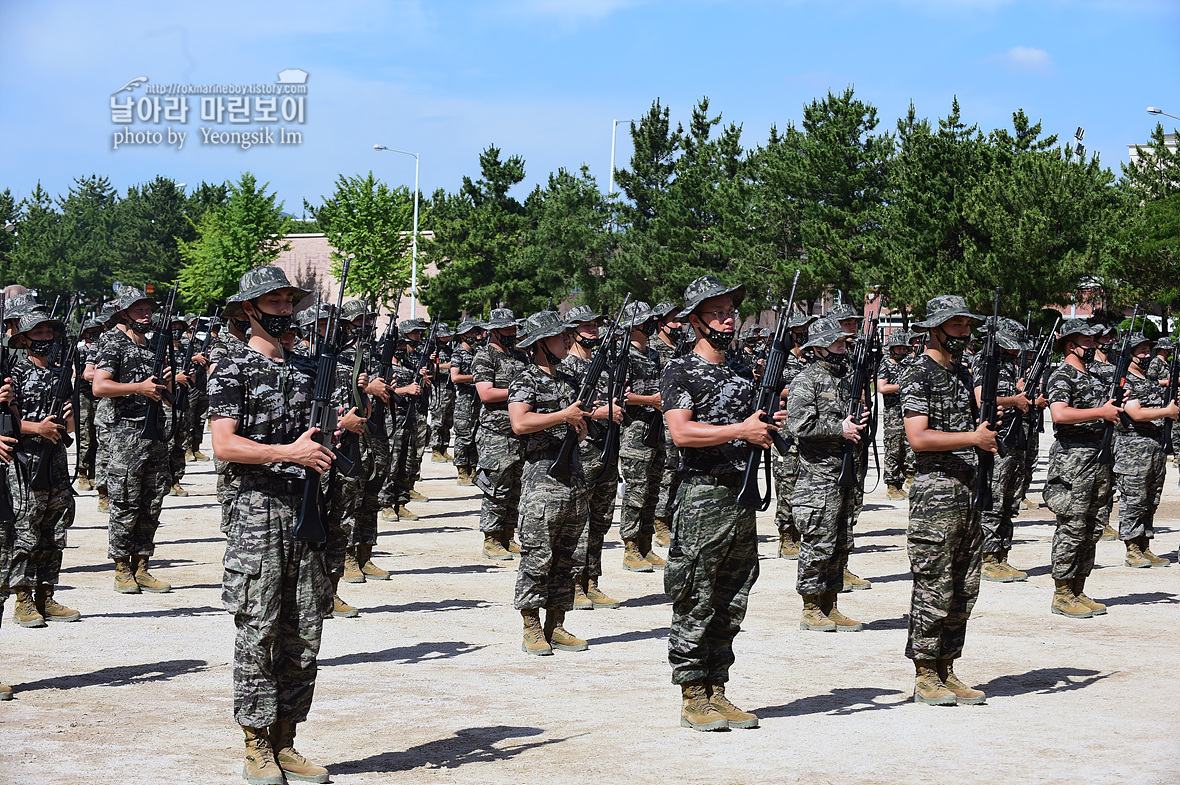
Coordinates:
429 684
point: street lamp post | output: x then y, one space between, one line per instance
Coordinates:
610 188
1156 110
414 252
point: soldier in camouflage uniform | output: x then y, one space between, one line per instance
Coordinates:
442 409
1103 370
87 437
500 457
642 465
897 349
1008 469
138 473
229 342
198 404
786 468
665 343
103 413
542 407
944 537
45 513
817 418
399 483
276 587
7 530
465 400
412 332
602 480
713 560
1139 461
1158 371
181 424
1078 486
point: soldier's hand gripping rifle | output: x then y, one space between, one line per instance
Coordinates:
201 372
350 443
562 468
376 423
42 477
769 401
1173 381
1034 384
310 527
989 411
153 427
866 357
8 427
419 403
1118 386
616 396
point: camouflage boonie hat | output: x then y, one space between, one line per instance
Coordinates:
900 338
354 308
824 333
264 280
944 307
1107 331
129 296
1072 327
581 313
843 311
466 326
310 316
1010 335
94 322
443 331
662 310
800 320
32 320
501 319
1132 342
412 325
705 287
544 324
1164 343
233 308
18 305
637 312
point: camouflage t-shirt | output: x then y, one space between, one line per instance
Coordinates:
271 402
1078 390
1102 371
576 367
889 372
816 408
716 395
127 362
33 388
644 377
500 368
1150 395
226 344
461 360
662 349
1158 370
945 396
1006 381
545 394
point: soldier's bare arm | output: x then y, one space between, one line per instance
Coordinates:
230 447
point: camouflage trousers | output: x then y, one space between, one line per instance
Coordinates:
464 421
1031 456
227 489
87 437
499 477
786 474
1007 476
1139 470
399 480
102 448
7 535
278 592
823 512
1077 489
712 565
442 418
414 457
666 503
138 478
897 450
198 407
345 495
364 529
552 519
943 541
642 469
39 535
601 503
177 445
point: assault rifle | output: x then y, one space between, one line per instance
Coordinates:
152 427
1118 386
989 412
620 371
376 424
562 468
350 443
417 402
310 526
1020 430
201 373
8 427
866 358
770 392
42 476
1173 381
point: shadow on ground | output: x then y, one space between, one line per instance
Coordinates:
469 745
118 676
419 652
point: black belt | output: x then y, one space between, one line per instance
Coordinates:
732 480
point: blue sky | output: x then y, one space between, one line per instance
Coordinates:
544 78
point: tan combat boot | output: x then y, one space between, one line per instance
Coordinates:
85 484
364 556
928 687
813 616
436 456
415 496
600 598
404 513
1079 588
663 535
581 601
51 609
25 611
633 560
388 514
144 579
788 547
199 456
855 582
558 636
895 492
1145 549
964 695
993 570
1065 603
466 477
1108 534
352 570
293 764
534 637
696 711
176 490
1017 575
1028 504
843 623
1135 557
260 767
494 549
644 544
104 501
508 540
724 706
125 577
5 692
447 456
340 608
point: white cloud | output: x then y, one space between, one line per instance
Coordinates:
572 10
1023 59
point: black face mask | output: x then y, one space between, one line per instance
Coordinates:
648 329
272 324
718 339
674 334
177 335
241 325
507 341
1088 355
836 364
1143 363
141 327
41 348
899 355
589 343
955 346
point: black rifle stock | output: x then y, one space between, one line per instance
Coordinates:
8 427
769 401
866 355
1173 380
1117 388
152 427
988 410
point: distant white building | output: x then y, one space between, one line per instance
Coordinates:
1133 149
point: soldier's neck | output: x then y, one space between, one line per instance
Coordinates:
266 345
133 335
639 339
708 352
667 338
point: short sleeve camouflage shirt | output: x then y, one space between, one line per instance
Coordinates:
499 368
716 395
127 362
945 396
1078 390
545 394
